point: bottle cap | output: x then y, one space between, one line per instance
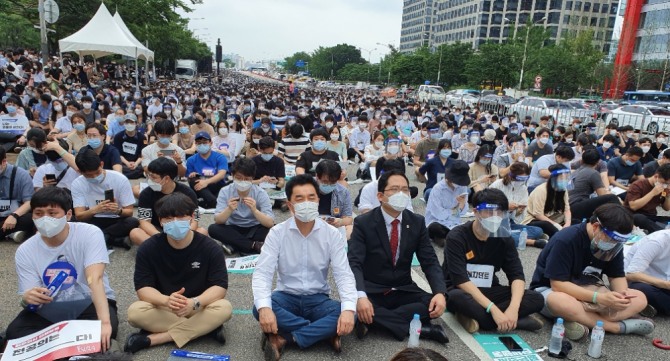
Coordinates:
599 323
559 321
416 316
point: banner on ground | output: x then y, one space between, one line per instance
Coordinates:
498 352
242 264
60 340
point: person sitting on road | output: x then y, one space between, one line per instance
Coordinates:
485 246
103 198
426 149
548 205
181 282
77 249
587 181
647 267
335 204
368 195
569 275
243 212
270 169
645 145
161 176
448 202
109 155
482 173
540 171
508 153
646 195
163 147
33 156
659 145
130 142
540 146
624 170
301 312
206 171
650 168
513 184
387 296
56 171
606 150
433 169
307 161
16 190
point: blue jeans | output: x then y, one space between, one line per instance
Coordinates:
533 232
309 318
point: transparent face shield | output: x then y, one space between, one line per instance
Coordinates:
493 219
606 244
561 180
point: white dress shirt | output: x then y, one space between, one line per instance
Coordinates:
302 264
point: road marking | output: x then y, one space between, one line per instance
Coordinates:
242 312
453 324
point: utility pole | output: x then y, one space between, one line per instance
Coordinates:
439 67
43 33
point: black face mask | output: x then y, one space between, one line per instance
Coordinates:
198 121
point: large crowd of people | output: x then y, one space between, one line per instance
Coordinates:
247 148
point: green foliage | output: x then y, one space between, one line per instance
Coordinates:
291 60
326 62
493 63
16 31
354 72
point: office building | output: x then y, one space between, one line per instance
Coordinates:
417 16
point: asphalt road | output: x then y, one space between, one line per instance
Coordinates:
243 333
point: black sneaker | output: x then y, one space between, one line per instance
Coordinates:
219 335
136 342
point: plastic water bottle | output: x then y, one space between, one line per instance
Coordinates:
523 236
414 331
597 336
668 226
557 332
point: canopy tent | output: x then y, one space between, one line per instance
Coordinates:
105 35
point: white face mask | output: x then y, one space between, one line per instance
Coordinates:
393 149
49 226
492 224
223 131
379 144
306 211
156 187
130 127
544 140
399 201
242 186
645 149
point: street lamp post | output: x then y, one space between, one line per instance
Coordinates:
388 78
439 66
525 49
332 62
369 60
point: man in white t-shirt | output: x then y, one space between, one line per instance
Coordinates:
78 249
155 107
13 125
163 147
63 126
104 198
56 171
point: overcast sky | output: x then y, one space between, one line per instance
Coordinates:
275 29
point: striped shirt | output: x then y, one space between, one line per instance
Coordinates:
291 148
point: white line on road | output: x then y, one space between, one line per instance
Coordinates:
453 324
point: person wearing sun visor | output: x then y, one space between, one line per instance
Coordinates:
548 206
569 274
474 253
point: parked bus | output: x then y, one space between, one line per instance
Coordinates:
632 97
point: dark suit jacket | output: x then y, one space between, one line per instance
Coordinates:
370 254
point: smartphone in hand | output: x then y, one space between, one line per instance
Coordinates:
109 195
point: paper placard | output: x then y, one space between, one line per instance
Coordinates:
60 340
242 264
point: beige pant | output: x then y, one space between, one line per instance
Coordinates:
148 317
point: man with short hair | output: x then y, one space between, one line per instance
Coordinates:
539 173
293 145
570 270
13 125
270 169
181 282
307 161
359 139
109 155
540 146
624 170
163 147
161 179
426 149
130 143
77 249
381 249
300 310
243 212
650 168
206 171
587 181
42 113
448 202
91 115
55 172
644 196
334 198
16 190
103 198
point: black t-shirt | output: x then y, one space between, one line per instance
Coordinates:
130 147
463 248
148 198
197 267
568 257
308 160
55 73
39 158
109 156
273 168
500 134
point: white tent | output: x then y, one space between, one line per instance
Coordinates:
105 35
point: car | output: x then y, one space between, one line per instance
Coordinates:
455 97
431 94
646 118
498 103
560 111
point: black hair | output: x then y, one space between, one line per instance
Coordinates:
245 166
300 180
164 127
45 98
590 157
609 138
86 98
3 154
511 139
418 354
491 196
516 168
296 130
644 140
635 151
318 131
583 139
615 217
541 131
266 142
175 204
53 155
664 171
163 166
329 168
666 154
37 135
555 201
442 143
565 152
52 196
384 179
98 126
87 160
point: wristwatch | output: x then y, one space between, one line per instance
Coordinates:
16 216
196 304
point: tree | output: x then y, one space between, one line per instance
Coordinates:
353 72
328 61
293 59
491 64
409 68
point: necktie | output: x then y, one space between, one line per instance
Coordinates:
394 239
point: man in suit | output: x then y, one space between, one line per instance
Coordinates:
380 255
